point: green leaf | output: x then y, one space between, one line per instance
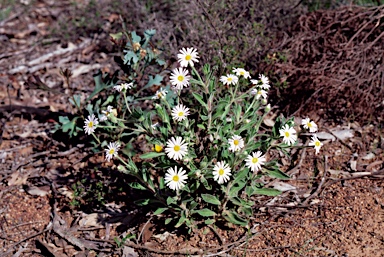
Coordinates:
68 125
167 221
205 212
149 33
181 220
205 183
236 188
209 221
171 200
142 202
137 185
100 85
135 37
249 191
241 175
199 98
276 173
267 191
160 211
154 81
116 36
234 218
151 155
210 199
161 183
130 57
75 101
160 62
237 112
193 205
201 126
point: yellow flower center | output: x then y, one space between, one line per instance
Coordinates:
259 92
176 148
229 79
175 178
309 124
286 133
188 57
159 95
112 151
158 148
221 172
242 73
181 114
255 160
180 78
235 142
90 124
317 143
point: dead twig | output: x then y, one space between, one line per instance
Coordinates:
322 181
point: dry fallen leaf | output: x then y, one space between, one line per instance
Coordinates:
39 191
129 252
18 179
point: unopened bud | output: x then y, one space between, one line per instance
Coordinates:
136 46
143 53
264 101
268 108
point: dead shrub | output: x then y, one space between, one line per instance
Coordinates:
335 64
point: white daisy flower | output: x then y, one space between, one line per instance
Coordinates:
108 111
264 82
90 124
229 79
316 143
180 112
221 172
175 179
123 86
236 143
176 148
288 134
103 117
241 72
259 93
308 124
254 81
187 56
255 160
160 94
180 78
111 151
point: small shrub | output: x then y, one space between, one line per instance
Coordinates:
197 144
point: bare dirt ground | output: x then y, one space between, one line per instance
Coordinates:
334 206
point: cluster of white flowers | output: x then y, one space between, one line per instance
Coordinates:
261 86
289 134
179 77
312 127
177 148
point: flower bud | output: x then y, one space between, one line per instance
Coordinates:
136 46
267 108
264 101
143 53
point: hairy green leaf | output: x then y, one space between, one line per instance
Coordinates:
151 155
210 199
205 212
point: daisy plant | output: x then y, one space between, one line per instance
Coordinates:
194 139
